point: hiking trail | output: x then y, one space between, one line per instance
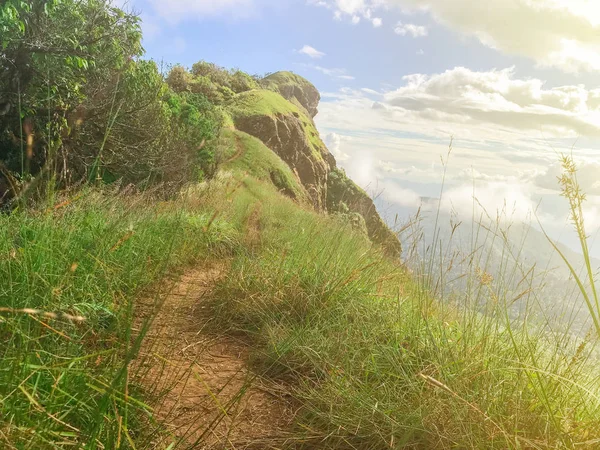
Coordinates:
209 397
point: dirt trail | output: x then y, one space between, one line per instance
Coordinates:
239 149
209 397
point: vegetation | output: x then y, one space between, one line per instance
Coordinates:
119 177
376 362
63 379
340 189
79 104
255 159
264 103
216 83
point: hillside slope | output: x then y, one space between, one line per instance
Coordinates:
289 309
184 266
280 115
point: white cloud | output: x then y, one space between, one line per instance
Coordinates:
497 97
333 141
480 107
415 31
370 91
311 52
505 201
420 52
506 129
399 195
353 10
333 73
558 33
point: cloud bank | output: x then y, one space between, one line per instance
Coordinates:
556 33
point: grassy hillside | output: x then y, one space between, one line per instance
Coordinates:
112 191
266 103
370 359
251 156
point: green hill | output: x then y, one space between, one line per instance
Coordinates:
184 265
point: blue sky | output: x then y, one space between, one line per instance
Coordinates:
515 82
267 39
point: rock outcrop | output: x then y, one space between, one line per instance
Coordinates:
296 89
286 136
287 130
281 116
343 195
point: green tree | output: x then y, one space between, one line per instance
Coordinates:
57 58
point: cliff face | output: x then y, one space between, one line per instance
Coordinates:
285 135
287 130
281 116
343 195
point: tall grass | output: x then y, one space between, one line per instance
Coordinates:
571 190
377 358
66 383
374 355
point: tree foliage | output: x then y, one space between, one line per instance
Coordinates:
216 83
77 100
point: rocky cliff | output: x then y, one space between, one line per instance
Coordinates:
281 116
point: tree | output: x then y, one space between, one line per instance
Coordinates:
57 59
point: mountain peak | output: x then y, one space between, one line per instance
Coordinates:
294 88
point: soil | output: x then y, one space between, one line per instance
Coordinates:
207 398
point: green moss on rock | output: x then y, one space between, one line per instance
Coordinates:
264 103
296 89
344 197
254 158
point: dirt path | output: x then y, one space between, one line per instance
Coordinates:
239 150
209 397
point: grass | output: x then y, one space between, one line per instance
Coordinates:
260 102
288 82
284 78
376 362
371 357
64 383
267 103
260 162
572 191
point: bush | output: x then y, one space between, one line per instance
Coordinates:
195 128
179 79
109 115
61 62
242 82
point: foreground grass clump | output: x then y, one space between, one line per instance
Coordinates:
376 363
65 382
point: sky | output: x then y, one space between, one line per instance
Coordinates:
513 83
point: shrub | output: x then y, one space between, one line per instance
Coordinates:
241 82
57 59
179 79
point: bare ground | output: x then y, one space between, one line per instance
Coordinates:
206 395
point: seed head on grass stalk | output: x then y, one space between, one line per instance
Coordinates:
571 190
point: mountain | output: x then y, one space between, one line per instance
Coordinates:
279 113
